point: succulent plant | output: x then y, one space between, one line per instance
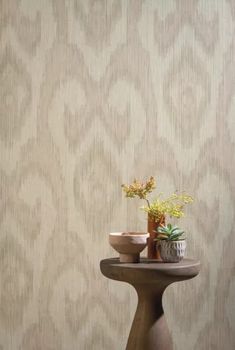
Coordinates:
169 233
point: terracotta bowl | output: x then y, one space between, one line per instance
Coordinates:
128 245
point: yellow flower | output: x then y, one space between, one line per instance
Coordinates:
172 206
139 189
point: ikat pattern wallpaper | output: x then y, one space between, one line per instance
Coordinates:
94 93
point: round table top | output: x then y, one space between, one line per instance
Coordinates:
149 269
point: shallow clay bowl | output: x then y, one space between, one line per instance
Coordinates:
128 245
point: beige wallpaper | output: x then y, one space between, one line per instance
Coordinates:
94 93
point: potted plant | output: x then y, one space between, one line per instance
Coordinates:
171 243
158 209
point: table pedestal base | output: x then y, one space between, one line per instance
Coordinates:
149 329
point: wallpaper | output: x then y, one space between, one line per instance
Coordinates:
92 94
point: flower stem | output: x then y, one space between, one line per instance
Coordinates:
147 202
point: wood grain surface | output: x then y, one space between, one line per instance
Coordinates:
92 94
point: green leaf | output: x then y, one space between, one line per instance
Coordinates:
175 236
161 236
169 226
175 228
179 231
161 230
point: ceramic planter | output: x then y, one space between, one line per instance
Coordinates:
128 245
172 251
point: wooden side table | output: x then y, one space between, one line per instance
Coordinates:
150 278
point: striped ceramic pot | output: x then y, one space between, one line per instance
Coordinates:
172 251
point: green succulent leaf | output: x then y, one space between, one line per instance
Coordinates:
161 230
169 226
161 236
180 231
175 228
175 236
169 232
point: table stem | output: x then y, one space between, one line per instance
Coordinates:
149 329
